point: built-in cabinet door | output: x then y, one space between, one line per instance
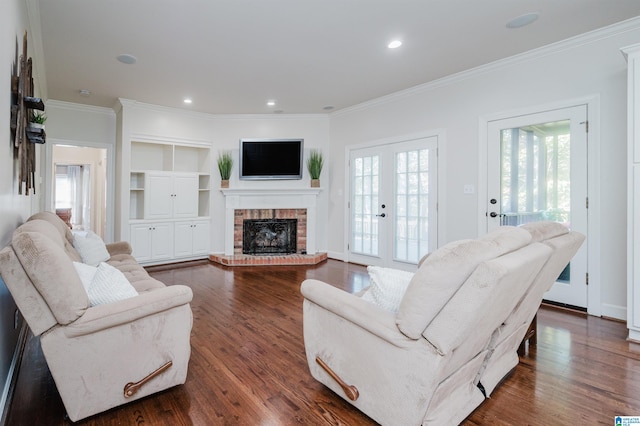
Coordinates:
158 196
185 195
191 238
152 241
183 242
140 239
171 195
201 230
162 241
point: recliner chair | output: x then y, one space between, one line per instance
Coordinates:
101 356
424 364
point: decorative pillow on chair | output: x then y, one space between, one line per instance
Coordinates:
387 287
104 284
91 248
86 274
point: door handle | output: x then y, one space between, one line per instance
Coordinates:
493 214
381 215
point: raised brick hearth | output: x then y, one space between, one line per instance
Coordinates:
285 259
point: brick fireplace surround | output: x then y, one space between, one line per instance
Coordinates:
275 204
299 214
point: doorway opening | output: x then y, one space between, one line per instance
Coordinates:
79 187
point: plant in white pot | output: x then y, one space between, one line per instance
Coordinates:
225 165
314 166
37 120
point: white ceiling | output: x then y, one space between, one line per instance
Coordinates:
232 56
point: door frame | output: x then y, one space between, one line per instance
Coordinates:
440 135
110 178
594 298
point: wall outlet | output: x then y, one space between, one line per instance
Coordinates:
469 189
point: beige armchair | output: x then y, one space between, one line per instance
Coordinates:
423 364
506 340
105 355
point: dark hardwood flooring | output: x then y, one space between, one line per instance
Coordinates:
248 365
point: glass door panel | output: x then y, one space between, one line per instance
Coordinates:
393 203
537 170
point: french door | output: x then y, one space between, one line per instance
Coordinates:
537 170
393 203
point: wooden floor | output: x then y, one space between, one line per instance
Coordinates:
248 365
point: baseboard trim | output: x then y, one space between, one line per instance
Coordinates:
336 255
12 377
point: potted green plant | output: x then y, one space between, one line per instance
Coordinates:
37 120
314 166
225 164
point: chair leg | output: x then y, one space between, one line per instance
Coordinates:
531 336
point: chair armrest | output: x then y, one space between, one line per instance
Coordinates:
121 247
125 311
364 314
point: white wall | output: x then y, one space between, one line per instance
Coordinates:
80 123
14 21
223 132
83 126
589 66
14 208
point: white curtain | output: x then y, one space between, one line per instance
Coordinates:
86 197
75 194
73 190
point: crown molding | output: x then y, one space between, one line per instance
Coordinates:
550 49
150 137
122 102
71 106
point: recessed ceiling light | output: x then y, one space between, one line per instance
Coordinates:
271 103
278 111
187 100
126 58
84 92
328 108
523 20
394 44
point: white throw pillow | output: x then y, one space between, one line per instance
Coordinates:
387 287
86 274
91 248
109 285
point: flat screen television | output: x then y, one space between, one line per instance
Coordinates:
271 158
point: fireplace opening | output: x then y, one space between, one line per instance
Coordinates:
269 236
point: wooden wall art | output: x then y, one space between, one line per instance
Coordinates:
23 136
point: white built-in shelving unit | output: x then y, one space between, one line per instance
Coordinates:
632 54
169 200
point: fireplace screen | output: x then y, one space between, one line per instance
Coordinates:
269 236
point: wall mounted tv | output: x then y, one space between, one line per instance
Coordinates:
271 158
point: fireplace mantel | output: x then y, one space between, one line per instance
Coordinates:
275 198
229 192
